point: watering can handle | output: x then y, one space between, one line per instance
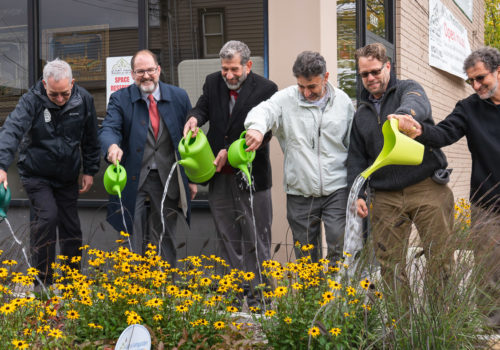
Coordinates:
187 138
243 134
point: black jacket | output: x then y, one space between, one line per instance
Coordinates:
479 121
53 141
401 97
213 106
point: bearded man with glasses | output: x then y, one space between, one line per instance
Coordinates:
142 129
400 195
54 126
478 119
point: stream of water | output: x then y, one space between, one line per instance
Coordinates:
353 238
162 203
23 249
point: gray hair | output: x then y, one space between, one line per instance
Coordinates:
488 55
309 64
233 47
57 69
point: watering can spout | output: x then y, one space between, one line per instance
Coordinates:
244 169
4 200
398 149
189 163
239 158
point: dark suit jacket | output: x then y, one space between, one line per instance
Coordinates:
126 124
213 106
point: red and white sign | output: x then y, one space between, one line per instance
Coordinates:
118 74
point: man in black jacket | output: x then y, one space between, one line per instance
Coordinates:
478 119
402 195
227 98
55 127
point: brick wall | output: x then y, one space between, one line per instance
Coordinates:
443 89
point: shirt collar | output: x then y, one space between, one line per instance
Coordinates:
156 94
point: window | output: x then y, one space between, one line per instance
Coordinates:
212 31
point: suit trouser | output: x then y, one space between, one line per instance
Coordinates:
242 244
430 207
52 207
152 188
486 243
305 215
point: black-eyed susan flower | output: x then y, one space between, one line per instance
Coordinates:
72 315
19 344
182 308
55 333
280 291
287 320
335 331
219 325
313 332
270 313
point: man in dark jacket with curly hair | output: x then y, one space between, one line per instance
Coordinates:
401 195
54 125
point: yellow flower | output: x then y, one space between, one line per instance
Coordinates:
366 307
248 276
347 254
133 317
72 315
365 284
351 291
155 302
123 234
32 271
205 282
231 309
280 291
335 331
55 333
219 325
288 320
379 295
328 296
254 309
157 317
132 301
9 262
19 344
307 247
313 332
182 308
270 313
297 286
334 285
95 326
7 309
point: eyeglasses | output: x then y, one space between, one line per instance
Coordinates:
141 72
64 94
479 79
375 72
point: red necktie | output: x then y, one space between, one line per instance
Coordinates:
234 94
153 115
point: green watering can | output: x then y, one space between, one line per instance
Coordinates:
4 201
398 149
197 157
238 156
115 179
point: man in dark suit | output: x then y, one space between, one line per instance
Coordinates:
142 129
227 98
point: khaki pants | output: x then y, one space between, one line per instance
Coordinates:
430 207
486 244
